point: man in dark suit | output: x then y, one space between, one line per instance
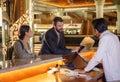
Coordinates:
53 42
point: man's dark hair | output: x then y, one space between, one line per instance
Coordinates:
100 24
57 19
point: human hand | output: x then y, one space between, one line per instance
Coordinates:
80 71
81 47
76 49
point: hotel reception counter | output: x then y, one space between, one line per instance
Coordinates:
36 70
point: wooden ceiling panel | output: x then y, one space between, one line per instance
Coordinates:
72 3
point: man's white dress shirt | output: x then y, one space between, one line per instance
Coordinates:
109 53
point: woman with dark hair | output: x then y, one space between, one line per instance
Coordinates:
21 46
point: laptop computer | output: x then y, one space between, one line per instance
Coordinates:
76 60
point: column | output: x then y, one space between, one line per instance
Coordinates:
26 5
31 21
0 17
118 19
3 31
99 8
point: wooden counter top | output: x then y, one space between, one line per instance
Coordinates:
92 76
36 71
9 65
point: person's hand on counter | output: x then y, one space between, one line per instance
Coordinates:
76 49
35 55
80 71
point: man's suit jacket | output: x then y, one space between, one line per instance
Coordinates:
52 46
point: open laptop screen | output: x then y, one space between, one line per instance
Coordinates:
76 59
